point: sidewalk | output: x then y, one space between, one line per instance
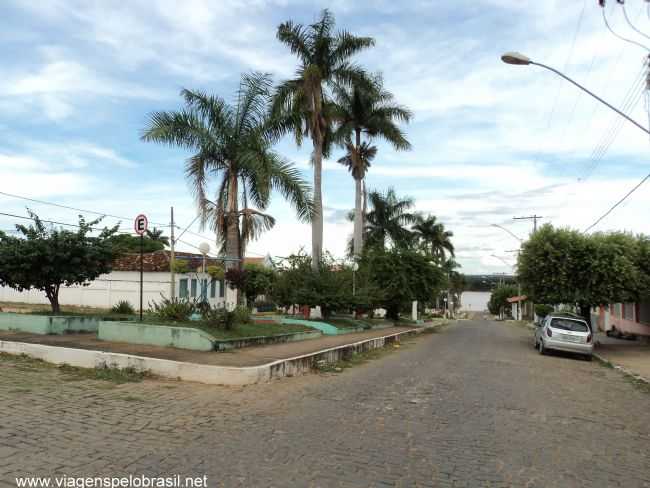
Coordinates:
249 356
632 356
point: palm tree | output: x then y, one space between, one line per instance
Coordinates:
232 143
324 60
366 109
433 238
157 236
387 220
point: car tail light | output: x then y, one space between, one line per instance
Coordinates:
589 337
548 332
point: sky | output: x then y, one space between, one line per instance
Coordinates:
490 141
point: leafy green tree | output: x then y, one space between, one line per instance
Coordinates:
258 281
387 220
403 275
565 266
324 61
370 110
128 244
232 143
498 303
48 258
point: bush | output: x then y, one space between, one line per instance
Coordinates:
123 307
219 317
181 267
542 310
216 272
176 309
242 315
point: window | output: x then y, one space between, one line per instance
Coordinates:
628 311
568 324
193 289
222 288
213 288
182 290
204 290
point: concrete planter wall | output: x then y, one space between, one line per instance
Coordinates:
156 335
225 345
46 324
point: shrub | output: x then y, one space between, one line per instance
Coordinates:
176 309
181 267
242 315
123 307
542 310
216 272
219 317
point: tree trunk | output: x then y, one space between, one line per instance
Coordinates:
233 249
317 221
52 293
358 218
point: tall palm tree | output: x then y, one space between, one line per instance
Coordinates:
366 109
387 221
324 60
157 235
232 143
433 238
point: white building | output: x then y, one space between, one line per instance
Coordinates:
123 283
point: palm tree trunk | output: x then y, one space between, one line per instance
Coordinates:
358 218
317 221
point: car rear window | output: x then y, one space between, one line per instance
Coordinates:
568 324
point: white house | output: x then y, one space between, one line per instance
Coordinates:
123 283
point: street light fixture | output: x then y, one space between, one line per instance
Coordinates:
519 59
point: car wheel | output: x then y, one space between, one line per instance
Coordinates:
542 349
588 357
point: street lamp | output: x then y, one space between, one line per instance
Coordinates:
521 60
508 231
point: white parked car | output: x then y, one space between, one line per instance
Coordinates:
564 332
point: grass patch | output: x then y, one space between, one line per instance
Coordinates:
637 383
355 359
106 373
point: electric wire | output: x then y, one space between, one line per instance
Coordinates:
629 22
631 41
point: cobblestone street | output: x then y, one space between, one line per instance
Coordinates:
471 406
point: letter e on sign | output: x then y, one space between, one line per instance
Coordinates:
141 224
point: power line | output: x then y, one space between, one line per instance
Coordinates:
103 214
631 24
621 37
617 203
55 222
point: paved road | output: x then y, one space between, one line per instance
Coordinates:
472 406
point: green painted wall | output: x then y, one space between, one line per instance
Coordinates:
156 335
326 329
44 324
224 345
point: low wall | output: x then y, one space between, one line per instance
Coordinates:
46 324
228 344
202 373
156 335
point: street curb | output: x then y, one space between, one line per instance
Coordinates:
203 373
622 369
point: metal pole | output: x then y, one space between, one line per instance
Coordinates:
629 119
141 271
354 282
172 258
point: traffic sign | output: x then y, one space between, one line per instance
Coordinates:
140 224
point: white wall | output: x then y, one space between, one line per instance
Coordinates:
474 301
109 289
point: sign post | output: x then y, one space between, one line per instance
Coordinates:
140 226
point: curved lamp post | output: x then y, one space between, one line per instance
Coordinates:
521 60
508 231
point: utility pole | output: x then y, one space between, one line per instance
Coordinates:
534 218
172 258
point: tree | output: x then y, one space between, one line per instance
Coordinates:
324 60
387 220
258 281
565 266
232 144
433 238
157 236
404 275
366 109
46 259
498 303
128 244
